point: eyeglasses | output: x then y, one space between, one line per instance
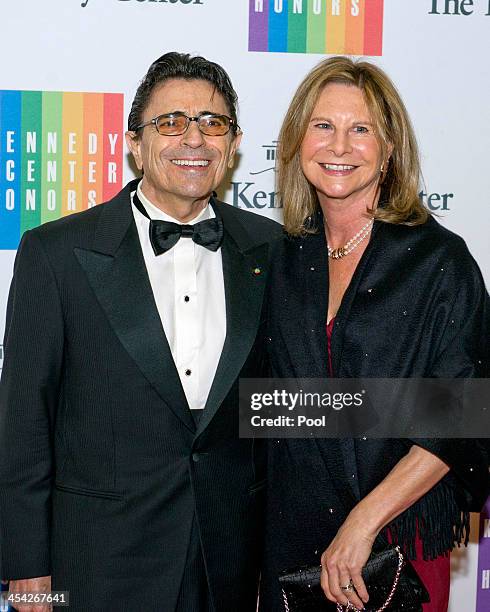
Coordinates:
175 124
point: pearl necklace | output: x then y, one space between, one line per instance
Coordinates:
353 243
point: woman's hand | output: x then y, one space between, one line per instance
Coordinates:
343 561
415 474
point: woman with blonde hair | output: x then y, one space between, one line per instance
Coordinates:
366 283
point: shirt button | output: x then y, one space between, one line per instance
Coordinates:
196 457
188 372
186 298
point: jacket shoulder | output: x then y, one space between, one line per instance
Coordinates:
430 232
261 229
85 218
431 240
249 218
79 228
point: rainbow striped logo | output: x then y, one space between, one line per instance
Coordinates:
351 27
59 153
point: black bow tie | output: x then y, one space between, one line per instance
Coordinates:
165 234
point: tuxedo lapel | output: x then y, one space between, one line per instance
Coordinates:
244 272
116 271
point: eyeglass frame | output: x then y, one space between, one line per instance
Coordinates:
232 123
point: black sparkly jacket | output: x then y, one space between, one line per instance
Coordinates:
416 307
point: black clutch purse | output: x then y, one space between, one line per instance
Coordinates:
390 579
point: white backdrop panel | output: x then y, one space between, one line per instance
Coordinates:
437 61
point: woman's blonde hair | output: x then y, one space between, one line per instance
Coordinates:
392 127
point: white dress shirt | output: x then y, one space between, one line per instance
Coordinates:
188 286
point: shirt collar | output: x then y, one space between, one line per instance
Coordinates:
156 213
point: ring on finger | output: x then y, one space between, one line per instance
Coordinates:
349 587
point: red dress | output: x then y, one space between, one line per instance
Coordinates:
434 574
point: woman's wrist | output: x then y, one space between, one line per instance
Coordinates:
365 520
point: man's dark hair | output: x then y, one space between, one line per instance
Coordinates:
181 66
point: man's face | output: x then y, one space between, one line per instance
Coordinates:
167 181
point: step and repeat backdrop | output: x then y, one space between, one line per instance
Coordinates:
70 69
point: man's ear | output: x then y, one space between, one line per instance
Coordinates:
134 145
234 146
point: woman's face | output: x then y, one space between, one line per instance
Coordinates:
340 155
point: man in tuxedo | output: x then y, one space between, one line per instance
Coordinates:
122 476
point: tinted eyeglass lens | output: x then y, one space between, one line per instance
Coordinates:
214 125
174 124
171 125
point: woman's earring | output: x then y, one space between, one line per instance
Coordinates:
382 174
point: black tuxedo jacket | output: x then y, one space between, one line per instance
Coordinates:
102 464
